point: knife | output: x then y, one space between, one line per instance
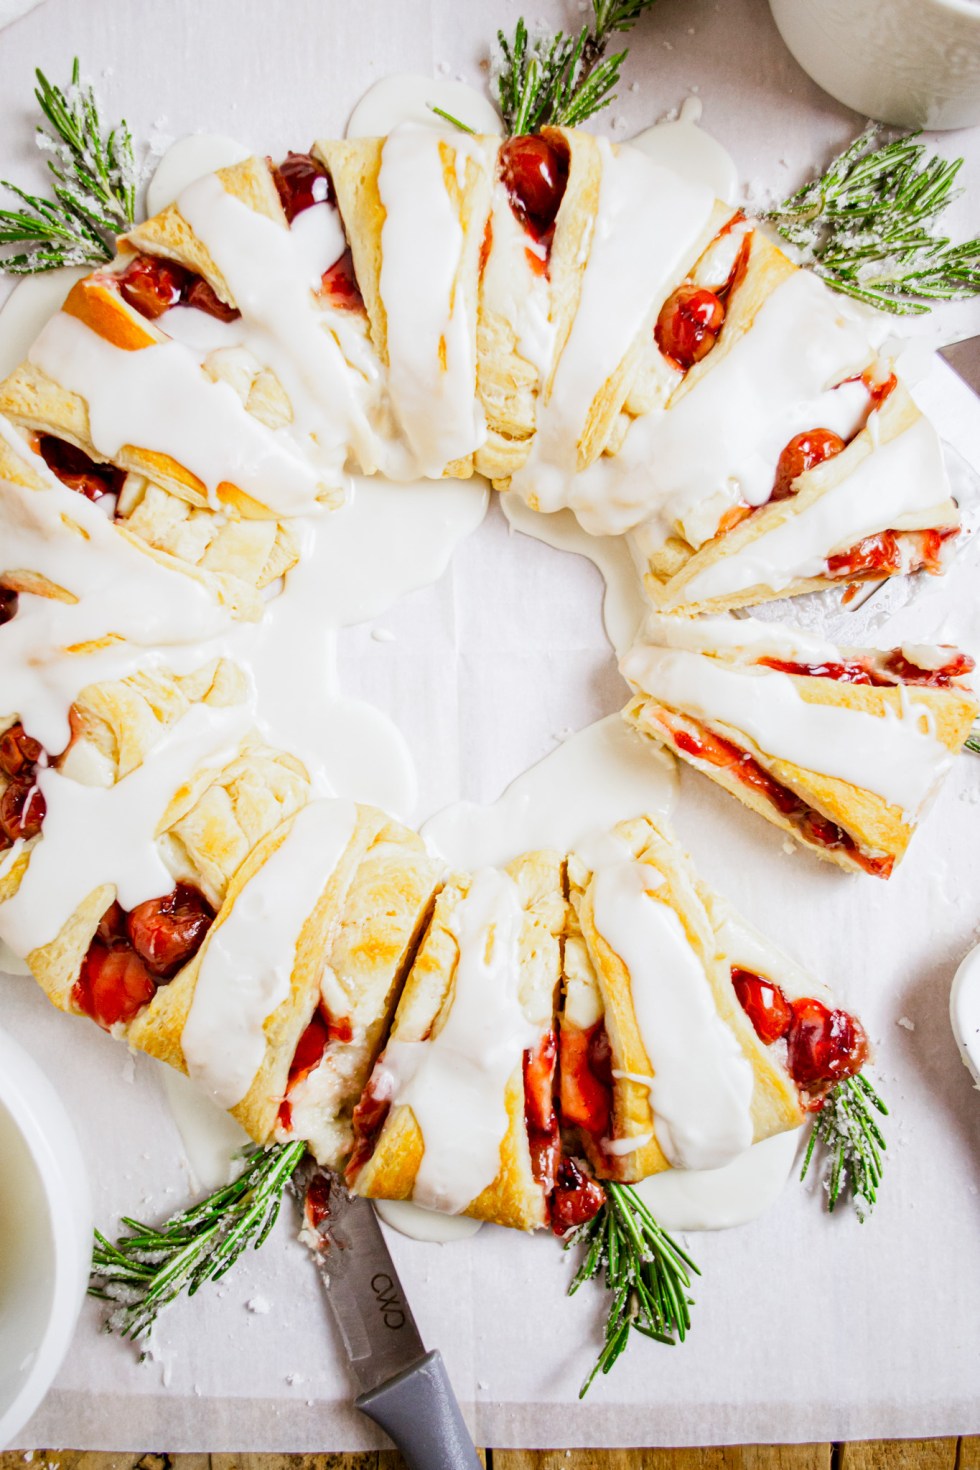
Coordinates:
401 1387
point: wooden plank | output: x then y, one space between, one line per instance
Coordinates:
330 1460
392 1460
969 1453
899 1454
720 1457
95 1460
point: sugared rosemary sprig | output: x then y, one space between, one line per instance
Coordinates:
972 741
846 1129
561 80
869 226
94 190
149 1268
645 1270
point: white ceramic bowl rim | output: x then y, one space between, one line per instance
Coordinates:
40 1117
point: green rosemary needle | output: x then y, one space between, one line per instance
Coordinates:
846 1129
972 741
869 226
646 1272
147 1269
94 190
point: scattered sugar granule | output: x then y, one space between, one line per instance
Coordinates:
634 86
382 635
293 1378
789 846
129 1067
907 1025
259 1305
28 1457
442 67
668 45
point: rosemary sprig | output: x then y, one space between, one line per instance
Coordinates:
845 1127
645 1270
94 191
972 741
561 80
149 1268
869 226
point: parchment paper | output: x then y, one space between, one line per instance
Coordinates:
806 1328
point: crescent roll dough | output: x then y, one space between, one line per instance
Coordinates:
841 748
660 1064
444 1120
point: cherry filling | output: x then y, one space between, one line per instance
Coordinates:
322 1029
691 319
539 1111
812 827
585 1071
339 285
134 953
22 804
301 182
894 669
889 552
152 286
575 1198
75 470
822 1046
368 1119
535 174
8 604
804 451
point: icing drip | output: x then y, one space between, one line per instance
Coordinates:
121 592
456 1083
632 261
890 755
514 290
247 966
431 336
701 1084
273 273
720 442
159 399
119 825
901 478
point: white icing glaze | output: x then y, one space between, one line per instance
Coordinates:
247 965
212 1139
594 779
119 824
719 444
456 1082
514 290
901 477
964 1012
892 756
631 261
409 97
717 1199
186 160
701 1085
431 335
679 143
159 399
742 635
419 1224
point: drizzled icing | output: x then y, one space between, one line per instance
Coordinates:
891 755
515 290
632 261
159 399
120 824
431 333
456 1083
904 477
701 1085
721 441
248 963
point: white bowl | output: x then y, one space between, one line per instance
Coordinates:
45 1236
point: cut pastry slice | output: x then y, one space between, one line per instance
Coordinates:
415 207
841 748
670 1057
458 1113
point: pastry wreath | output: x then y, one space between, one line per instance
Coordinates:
427 304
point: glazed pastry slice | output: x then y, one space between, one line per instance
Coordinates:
414 207
841 748
669 1056
458 1114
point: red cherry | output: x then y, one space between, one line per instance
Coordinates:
203 297
113 985
688 325
309 1050
76 471
874 555
823 1046
112 928
166 932
764 1003
151 285
8 605
339 284
804 451
22 809
301 182
318 1200
539 1077
534 174
959 664
585 1091
575 1199
19 753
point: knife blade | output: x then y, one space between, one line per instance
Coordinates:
964 358
400 1386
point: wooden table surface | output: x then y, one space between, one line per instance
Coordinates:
910 1454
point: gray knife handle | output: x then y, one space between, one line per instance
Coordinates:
418 1410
